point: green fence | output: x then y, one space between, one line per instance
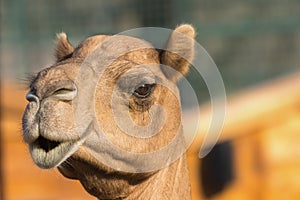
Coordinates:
250 41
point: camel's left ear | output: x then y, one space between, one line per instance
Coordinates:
179 51
63 47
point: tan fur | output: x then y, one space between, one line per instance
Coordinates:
49 115
63 46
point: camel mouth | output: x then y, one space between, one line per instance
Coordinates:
47 153
47 145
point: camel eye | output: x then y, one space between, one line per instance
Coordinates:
62 91
144 90
65 93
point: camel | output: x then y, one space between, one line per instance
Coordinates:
134 83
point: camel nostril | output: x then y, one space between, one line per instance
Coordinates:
31 97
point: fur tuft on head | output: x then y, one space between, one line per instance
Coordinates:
63 47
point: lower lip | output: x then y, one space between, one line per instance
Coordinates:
52 158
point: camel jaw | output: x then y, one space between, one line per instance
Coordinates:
49 154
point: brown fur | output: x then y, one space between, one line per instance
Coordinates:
49 115
63 47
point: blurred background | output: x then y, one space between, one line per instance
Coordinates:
256 46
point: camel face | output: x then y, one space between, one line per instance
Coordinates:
131 99
48 124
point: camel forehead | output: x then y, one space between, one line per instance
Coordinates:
113 46
116 54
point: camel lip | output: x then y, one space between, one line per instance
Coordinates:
47 153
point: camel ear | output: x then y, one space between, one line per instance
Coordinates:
63 47
179 51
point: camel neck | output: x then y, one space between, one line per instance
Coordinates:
169 183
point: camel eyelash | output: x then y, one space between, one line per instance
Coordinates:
28 80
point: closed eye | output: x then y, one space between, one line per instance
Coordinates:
65 93
62 91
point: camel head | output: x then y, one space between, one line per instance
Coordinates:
104 104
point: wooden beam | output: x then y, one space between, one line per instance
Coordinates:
251 109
